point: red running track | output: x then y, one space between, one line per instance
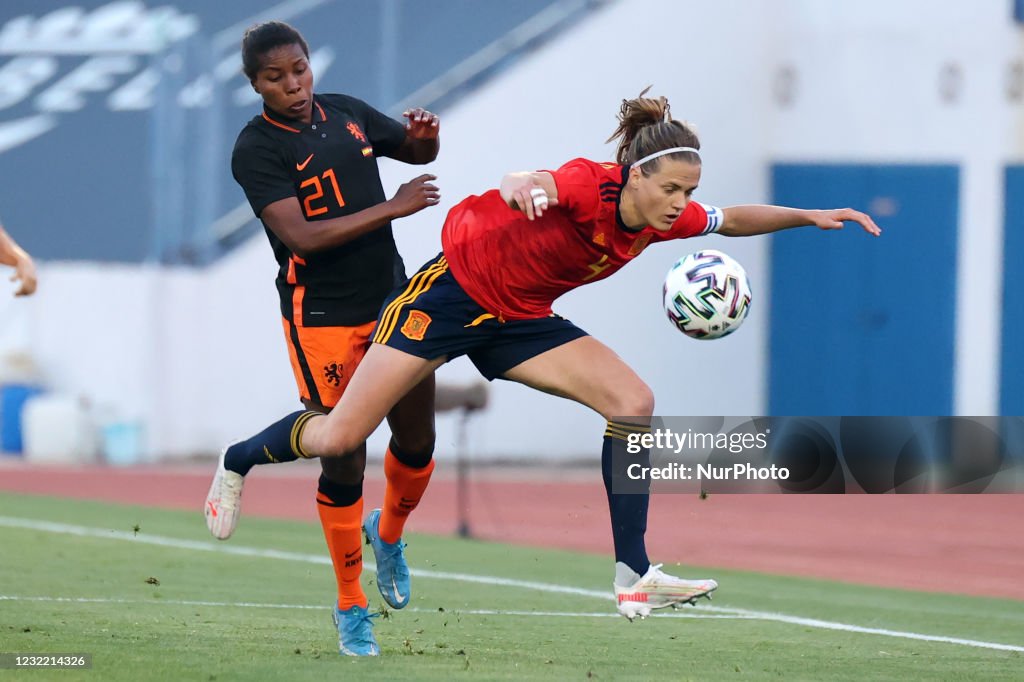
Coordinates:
967 544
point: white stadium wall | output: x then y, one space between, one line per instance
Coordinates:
199 357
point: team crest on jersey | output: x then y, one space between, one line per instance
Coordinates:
334 372
415 326
639 245
356 131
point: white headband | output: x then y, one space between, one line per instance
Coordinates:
663 152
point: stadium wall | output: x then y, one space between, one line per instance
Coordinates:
197 355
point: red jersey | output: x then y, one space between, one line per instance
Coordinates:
515 268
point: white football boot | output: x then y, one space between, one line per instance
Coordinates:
224 501
637 595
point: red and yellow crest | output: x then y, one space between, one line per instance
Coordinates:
415 326
356 131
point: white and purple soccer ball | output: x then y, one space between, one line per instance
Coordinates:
707 295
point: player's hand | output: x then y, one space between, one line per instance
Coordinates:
833 219
25 271
421 124
531 199
415 195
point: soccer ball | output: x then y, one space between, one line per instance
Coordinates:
707 295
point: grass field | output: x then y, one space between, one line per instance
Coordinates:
82 577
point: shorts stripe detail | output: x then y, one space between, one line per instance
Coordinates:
298 293
312 391
421 282
389 311
482 318
427 282
297 429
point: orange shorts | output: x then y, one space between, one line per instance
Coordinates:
324 358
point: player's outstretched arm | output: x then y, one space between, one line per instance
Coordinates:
285 218
24 269
745 221
529 193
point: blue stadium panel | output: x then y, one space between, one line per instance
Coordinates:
1011 398
862 325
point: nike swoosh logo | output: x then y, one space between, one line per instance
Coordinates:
302 166
213 509
394 588
349 556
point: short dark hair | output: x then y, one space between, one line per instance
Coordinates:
262 38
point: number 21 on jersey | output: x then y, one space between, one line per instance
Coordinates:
318 193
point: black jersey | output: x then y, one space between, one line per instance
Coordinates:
330 165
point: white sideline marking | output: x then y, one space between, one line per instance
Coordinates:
321 607
83 531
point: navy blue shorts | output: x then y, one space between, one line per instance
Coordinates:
431 316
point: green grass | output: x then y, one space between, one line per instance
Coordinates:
151 634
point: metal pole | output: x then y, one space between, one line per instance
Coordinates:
462 478
389 13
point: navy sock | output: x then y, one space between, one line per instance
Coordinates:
279 442
628 510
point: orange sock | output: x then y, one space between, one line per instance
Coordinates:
401 495
343 531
